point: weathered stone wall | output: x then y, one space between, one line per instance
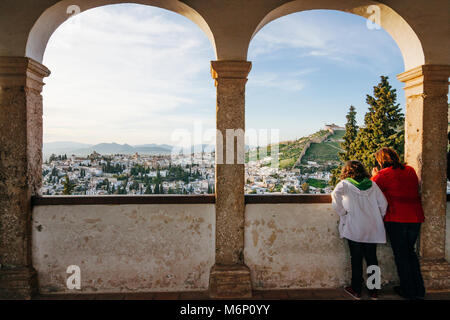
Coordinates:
447 235
308 145
132 248
298 246
124 248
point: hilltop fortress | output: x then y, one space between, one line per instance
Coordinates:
333 127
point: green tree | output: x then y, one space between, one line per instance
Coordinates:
291 189
305 187
54 172
68 186
383 125
335 173
351 132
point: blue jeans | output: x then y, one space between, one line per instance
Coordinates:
403 237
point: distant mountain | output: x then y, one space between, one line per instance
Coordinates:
105 148
148 149
153 145
83 149
62 147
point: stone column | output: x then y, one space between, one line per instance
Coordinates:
230 277
20 170
426 89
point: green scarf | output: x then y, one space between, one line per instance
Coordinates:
363 185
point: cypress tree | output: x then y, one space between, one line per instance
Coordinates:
351 132
383 125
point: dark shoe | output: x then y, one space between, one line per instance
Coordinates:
373 294
349 290
398 290
421 295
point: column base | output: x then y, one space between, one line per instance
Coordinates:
436 274
18 283
230 282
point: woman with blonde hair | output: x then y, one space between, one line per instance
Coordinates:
403 218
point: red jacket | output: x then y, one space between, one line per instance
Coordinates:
401 189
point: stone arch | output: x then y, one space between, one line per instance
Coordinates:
402 33
57 14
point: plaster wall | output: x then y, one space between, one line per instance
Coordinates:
124 248
143 248
292 246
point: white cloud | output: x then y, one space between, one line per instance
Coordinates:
321 33
278 81
119 71
286 81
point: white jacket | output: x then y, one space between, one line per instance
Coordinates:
361 212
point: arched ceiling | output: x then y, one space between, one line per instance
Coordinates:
419 27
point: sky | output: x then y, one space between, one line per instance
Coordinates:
137 74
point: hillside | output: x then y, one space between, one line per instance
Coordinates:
319 146
325 151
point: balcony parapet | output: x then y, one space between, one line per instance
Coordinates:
173 199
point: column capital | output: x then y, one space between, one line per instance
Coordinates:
429 74
230 69
22 71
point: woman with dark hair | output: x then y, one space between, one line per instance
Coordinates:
361 206
403 219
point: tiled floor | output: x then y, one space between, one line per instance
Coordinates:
303 294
